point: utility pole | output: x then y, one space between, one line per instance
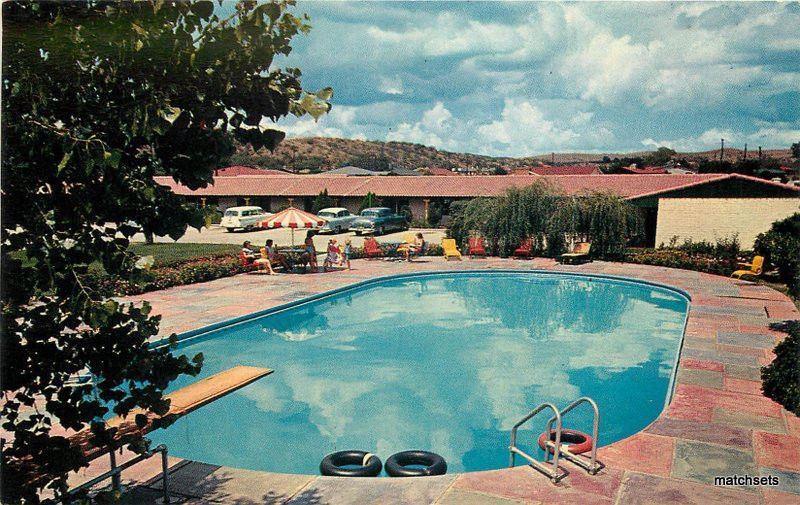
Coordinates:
552 158
759 152
745 150
722 150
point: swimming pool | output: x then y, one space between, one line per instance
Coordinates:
445 362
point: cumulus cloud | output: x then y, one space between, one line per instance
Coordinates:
620 74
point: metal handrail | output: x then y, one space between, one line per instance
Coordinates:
593 467
538 465
115 473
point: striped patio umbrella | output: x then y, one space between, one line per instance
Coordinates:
293 218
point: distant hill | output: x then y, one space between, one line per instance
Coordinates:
323 153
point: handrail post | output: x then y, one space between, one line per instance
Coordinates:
116 478
165 471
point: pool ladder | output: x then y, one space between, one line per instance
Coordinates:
552 470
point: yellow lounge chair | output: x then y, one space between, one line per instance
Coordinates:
451 252
755 268
581 251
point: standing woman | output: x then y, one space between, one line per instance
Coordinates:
311 251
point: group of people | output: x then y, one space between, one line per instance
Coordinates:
266 257
337 255
269 256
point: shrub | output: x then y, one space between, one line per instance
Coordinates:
780 246
550 219
677 258
781 378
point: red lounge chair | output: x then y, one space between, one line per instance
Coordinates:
524 250
372 249
476 247
246 261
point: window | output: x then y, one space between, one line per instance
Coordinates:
231 213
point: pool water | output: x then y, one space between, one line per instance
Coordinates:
446 363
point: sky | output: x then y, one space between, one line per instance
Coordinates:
520 78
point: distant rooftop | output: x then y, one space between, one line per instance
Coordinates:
237 170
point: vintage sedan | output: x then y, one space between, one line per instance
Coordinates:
337 219
379 220
246 218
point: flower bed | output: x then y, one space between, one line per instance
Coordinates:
676 258
202 269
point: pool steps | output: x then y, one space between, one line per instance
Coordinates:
552 470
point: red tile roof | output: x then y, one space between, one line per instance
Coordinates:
444 186
644 170
565 170
237 170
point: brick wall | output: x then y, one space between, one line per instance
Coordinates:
712 218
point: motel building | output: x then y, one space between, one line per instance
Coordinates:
687 206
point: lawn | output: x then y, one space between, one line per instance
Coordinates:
170 254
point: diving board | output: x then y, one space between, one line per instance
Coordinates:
182 402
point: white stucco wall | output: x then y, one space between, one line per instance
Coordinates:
712 218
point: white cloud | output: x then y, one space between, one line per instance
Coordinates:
784 135
391 86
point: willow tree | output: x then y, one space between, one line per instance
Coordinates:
97 98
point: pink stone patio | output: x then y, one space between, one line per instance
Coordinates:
717 424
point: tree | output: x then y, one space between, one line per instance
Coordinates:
660 157
796 150
322 201
370 200
97 98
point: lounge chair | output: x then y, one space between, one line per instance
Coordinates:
476 247
247 261
580 252
372 249
451 252
525 249
754 269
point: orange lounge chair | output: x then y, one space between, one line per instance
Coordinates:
476 247
754 269
372 249
525 249
580 252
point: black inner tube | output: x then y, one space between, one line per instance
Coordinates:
332 464
398 464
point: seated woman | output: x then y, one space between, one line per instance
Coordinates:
247 255
414 248
275 257
263 263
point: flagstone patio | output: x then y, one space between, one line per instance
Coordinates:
718 422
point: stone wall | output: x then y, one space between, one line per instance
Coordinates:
712 218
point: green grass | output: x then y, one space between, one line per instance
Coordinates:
170 254
165 255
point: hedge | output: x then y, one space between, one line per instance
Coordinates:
201 269
781 378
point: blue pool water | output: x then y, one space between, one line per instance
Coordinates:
446 363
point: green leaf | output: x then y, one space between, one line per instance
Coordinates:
325 93
64 160
203 9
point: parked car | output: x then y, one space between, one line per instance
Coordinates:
337 219
246 218
379 220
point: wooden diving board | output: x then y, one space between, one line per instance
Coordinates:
182 401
